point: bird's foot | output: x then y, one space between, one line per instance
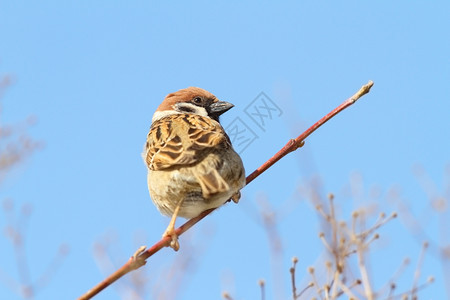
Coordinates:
174 244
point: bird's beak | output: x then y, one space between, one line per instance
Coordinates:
219 107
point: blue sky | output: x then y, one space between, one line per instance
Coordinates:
94 72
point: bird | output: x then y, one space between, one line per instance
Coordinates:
192 166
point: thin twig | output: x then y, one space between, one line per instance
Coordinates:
292 271
305 289
380 222
346 289
140 258
262 285
296 143
403 295
364 274
418 270
54 265
336 280
315 282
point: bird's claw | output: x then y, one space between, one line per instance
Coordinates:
174 244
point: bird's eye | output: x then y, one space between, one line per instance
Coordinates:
197 100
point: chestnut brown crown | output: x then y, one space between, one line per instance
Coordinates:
195 100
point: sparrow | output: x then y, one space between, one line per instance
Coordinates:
191 163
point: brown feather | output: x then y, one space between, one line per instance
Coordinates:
182 139
184 95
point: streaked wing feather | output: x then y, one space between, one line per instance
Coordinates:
212 183
182 139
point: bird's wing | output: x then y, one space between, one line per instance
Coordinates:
182 139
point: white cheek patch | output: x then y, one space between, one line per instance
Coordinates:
180 108
185 107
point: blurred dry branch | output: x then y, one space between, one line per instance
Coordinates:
269 221
16 146
343 272
142 284
347 245
15 231
433 217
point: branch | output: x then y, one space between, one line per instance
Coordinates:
142 254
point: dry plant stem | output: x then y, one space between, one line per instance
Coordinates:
418 270
361 249
315 282
334 291
139 259
346 289
304 290
294 289
364 274
292 271
263 290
